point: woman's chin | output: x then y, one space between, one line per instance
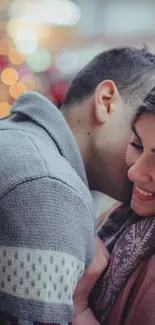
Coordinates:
143 209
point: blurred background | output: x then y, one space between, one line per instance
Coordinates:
44 43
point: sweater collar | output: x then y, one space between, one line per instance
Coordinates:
46 115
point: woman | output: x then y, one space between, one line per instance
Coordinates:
125 293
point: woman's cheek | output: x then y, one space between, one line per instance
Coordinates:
131 173
129 156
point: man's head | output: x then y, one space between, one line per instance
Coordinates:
99 106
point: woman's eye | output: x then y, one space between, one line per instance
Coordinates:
136 146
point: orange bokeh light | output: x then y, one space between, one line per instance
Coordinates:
4 93
16 89
4 109
5 46
9 76
16 57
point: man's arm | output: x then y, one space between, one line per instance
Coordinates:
86 317
82 314
46 241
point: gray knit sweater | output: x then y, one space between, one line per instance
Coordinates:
46 218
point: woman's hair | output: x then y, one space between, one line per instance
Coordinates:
147 106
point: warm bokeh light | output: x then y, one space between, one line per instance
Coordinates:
12 26
40 84
26 40
4 92
16 89
16 57
4 109
50 12
9 76
42 32
30 84
5 46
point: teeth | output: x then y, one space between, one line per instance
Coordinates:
143 192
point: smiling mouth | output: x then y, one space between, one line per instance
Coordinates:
143 194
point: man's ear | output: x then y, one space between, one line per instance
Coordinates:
104 96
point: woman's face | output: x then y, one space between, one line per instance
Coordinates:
140 158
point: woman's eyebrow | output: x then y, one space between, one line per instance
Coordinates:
135 132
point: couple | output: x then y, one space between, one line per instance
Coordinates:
47 220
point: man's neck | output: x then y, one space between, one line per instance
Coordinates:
80 130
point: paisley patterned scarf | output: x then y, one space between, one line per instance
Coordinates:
130 239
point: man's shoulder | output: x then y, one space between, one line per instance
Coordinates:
25 156
19 159
59 168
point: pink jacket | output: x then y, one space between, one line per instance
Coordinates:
135 304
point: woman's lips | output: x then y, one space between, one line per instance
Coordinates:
143 194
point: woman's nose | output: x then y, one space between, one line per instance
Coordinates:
140 172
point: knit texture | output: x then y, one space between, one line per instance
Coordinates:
46 217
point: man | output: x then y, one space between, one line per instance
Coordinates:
47 221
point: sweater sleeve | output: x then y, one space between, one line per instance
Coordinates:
46 242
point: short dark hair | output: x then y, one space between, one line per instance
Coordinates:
128 67
148 105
